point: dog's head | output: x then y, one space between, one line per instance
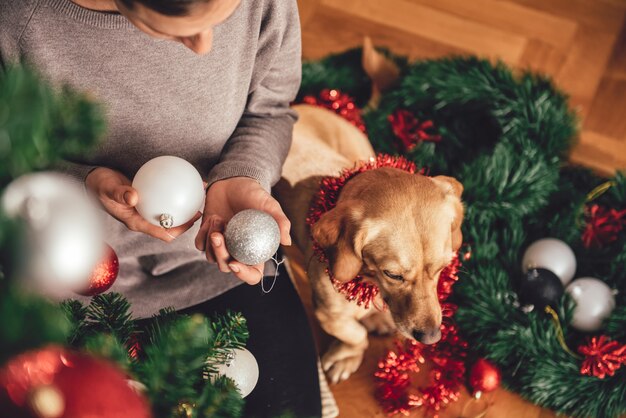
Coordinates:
399 230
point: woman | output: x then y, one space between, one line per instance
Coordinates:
209 81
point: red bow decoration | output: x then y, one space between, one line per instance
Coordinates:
603 226
410 130
339 102
602 357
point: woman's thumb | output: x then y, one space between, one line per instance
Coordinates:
126 195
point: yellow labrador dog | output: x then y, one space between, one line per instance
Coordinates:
398 230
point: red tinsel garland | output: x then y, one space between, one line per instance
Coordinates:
326 199
339 102
447 356
603 225
603 357
410 131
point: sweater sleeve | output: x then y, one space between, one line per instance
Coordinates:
14 17
261 141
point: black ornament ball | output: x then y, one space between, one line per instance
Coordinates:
540 288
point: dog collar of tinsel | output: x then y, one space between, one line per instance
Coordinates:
326 198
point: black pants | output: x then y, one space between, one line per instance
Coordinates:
281 341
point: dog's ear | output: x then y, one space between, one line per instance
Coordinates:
337 234
453 188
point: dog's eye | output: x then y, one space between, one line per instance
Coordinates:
397 277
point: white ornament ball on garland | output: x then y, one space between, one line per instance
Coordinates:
551 254
170 191
243 368
252 237
595 302
63 230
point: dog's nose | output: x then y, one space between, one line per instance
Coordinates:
430 336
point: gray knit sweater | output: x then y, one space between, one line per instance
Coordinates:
226 112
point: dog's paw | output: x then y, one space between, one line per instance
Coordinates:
379 323
341 360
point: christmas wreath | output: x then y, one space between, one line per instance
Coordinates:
506 136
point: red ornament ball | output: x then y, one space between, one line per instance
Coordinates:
484 377
103 275
56 383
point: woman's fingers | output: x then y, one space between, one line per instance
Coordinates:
213 223
249 274
138 224
284 225
219 251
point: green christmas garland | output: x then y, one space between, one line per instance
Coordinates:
506 137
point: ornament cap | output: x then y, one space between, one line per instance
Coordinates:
166 220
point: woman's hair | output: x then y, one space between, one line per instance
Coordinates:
166 7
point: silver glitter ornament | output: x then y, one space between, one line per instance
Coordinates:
252 237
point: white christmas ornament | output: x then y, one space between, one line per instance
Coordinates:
551 254
252 237
64 237
170 191
243 369
594 303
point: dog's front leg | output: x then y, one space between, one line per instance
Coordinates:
339 318
345 354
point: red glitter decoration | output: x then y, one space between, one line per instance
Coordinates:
484 377
103 275
84 386
447 356
340 103
602 357
603 226
326 199
410 131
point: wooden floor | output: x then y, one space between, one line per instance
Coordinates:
580 43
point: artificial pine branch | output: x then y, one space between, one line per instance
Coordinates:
108 313
230 332
42 124
108 346
76 313
29 322
616 324
173 361
219 400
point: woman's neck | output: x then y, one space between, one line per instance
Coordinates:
99 5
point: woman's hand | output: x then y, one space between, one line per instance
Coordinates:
119 199
224 199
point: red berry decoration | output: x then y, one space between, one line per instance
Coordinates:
484 377
56 383
103 275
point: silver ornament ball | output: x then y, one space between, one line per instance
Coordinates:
551 254
243 368
64 235
594 303
252 237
